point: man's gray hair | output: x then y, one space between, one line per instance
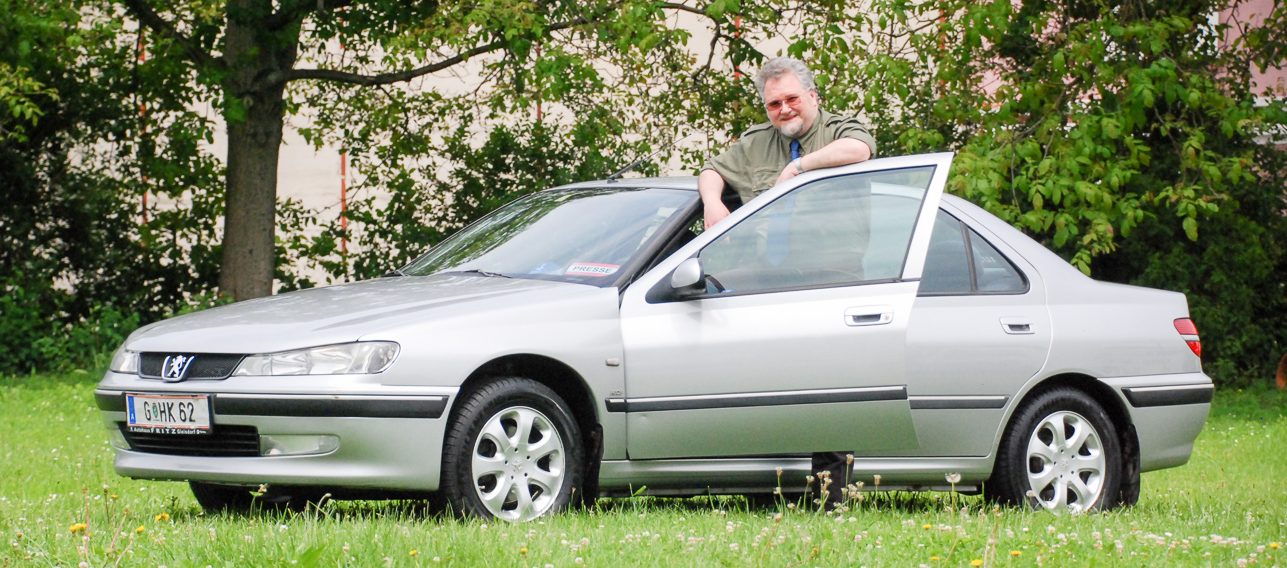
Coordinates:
779 66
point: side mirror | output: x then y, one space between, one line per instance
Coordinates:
688 277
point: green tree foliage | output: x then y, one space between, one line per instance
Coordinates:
582 56
79 264
1125 136
19 108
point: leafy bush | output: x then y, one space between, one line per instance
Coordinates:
87 343
1234 274
31 340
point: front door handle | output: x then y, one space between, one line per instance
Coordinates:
868 315
1017 326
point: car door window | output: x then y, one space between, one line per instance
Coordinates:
836 231
961 262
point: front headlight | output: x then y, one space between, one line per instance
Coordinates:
125 362
364 358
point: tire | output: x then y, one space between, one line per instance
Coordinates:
235 499
1130 485
215 498
513 451
1061 452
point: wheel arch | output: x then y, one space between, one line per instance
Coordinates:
564 381
1098 390
1113 405
558 376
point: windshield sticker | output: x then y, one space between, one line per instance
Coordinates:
595 269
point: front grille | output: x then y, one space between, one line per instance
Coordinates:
203 365
223 441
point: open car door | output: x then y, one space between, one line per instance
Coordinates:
794 340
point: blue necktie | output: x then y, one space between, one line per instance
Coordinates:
780 224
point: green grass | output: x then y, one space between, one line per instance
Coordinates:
1228 506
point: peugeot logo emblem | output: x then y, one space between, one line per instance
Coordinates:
175 367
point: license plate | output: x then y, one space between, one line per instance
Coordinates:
185 414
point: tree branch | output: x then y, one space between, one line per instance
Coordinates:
295 12
148 17
382 78
684 8
351 78
710 57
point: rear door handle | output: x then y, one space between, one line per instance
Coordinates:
1017 326
868 315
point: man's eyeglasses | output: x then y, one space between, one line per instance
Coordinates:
791 100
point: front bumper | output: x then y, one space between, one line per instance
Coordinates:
340 432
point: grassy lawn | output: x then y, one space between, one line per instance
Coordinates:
62 505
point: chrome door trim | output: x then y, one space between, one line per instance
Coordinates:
934 402
748 399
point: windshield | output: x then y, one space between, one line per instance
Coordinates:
575 235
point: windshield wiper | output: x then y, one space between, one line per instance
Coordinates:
479 273
393 272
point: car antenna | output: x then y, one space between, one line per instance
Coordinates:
617 174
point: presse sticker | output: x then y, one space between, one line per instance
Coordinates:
593 269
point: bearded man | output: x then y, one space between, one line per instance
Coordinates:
798 137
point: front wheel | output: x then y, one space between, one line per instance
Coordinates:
1060 453
235 499
215 498
513 451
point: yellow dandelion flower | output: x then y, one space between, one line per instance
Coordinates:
976 562
79 528
139 529
1274 545
935 559
927 526
163 517
523 551
415 552
1016 553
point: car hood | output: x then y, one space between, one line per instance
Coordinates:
343 313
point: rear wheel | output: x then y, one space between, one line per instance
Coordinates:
513 451
1060 453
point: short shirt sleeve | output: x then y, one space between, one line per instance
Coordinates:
747 166
848 127
731 164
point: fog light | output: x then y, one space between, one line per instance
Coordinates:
296 445
117 438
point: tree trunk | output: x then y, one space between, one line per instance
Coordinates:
255 116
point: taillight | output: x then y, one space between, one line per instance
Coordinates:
1189 332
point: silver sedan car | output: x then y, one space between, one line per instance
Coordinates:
592 340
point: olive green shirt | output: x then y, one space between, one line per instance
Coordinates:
753 163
